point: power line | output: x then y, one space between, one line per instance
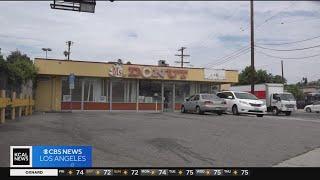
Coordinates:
266 20
269 18
276 44
227 56
231 58
297 49
299 20
305 57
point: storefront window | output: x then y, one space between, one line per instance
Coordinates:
76 92
149 91
182 92
124 90
209 88
205 88
95 90
117 91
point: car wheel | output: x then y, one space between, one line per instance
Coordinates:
308 110
183 110
259 115
235 110
219 113
275 111
198 110
288 113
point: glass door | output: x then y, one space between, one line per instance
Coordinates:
168 97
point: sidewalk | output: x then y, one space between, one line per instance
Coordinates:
309 159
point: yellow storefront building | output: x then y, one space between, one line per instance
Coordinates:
116 86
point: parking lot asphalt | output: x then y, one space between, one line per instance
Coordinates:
148 139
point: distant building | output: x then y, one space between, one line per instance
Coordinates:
311 89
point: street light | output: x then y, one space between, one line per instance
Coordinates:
46 50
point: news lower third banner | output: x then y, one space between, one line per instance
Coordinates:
50 156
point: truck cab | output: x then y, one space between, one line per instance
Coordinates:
282 103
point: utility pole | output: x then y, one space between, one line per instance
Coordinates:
182 55
282 72
69 43
252 47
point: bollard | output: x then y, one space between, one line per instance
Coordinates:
13 110
3 110
30 103
26 108
20 107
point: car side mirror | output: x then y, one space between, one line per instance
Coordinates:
229 97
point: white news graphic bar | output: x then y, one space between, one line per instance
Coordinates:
33 172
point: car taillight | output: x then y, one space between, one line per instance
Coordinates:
208 103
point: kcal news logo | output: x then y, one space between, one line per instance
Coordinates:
20 156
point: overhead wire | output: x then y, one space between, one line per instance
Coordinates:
296 49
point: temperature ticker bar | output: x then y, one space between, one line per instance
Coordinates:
132 172
153 172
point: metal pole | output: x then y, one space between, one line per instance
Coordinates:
252 47
156 105
162 96
47 54
110 103
282 71
82 94
174 97
69 44
137 96
182 56
70 99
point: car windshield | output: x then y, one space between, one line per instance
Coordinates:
209 96
287 97
245 96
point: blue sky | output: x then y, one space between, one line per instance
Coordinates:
144 32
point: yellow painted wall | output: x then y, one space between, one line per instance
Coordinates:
57 86
48 94
232 76
43 95
58 67
225 87
99 69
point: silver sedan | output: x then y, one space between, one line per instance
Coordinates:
201 103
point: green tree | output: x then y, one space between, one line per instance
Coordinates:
2 64
19 69
244 76
260 76
295 90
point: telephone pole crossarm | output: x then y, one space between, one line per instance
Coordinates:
182 62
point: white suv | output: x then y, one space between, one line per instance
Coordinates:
243 103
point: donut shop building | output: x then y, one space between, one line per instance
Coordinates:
116 86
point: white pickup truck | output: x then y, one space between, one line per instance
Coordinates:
276 99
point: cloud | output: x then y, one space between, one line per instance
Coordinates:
144 32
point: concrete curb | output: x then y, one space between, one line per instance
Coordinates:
309 159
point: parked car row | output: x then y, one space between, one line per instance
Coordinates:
226 101
314 107
237 102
